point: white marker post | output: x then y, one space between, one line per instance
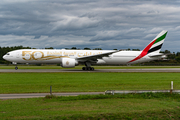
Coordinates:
171 87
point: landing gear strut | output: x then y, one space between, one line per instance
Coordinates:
14 63
88 67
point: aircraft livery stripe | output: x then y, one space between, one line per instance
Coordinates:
155 48
144 52
160 38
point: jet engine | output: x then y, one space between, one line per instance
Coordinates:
68 63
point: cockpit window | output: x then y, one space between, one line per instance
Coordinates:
8 54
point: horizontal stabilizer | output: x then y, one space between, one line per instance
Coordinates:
160 55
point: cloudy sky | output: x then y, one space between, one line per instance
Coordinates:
106 24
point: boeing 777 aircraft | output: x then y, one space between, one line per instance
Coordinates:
71 58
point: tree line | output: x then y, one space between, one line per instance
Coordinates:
4 50
172 57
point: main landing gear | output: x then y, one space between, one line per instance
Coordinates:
88 67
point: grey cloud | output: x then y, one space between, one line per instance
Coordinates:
74 23
37 36
88 23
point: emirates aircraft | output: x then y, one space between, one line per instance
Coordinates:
71 58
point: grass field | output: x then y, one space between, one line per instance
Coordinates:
94 107
129 106
85 82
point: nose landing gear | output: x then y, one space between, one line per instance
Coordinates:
16 68
14 63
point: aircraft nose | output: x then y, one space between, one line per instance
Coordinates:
4 57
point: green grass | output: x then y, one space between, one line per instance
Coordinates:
129 106
80 67
85 82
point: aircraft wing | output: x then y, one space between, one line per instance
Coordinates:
95 57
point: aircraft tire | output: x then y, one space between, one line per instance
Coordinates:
83 68
88 68
16 68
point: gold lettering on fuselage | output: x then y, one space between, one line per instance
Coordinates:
40 55
32 55
54 53
24 53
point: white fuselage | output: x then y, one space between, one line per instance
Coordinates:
56 56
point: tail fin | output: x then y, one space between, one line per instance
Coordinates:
154 46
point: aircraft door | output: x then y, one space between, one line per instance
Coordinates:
18 54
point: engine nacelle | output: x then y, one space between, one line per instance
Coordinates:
100 61
68 63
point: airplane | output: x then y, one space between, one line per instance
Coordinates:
71 58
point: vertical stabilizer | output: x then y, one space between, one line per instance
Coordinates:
154 46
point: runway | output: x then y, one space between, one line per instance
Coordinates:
173 70
37 95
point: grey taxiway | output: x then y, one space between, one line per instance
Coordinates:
37 95
97 70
